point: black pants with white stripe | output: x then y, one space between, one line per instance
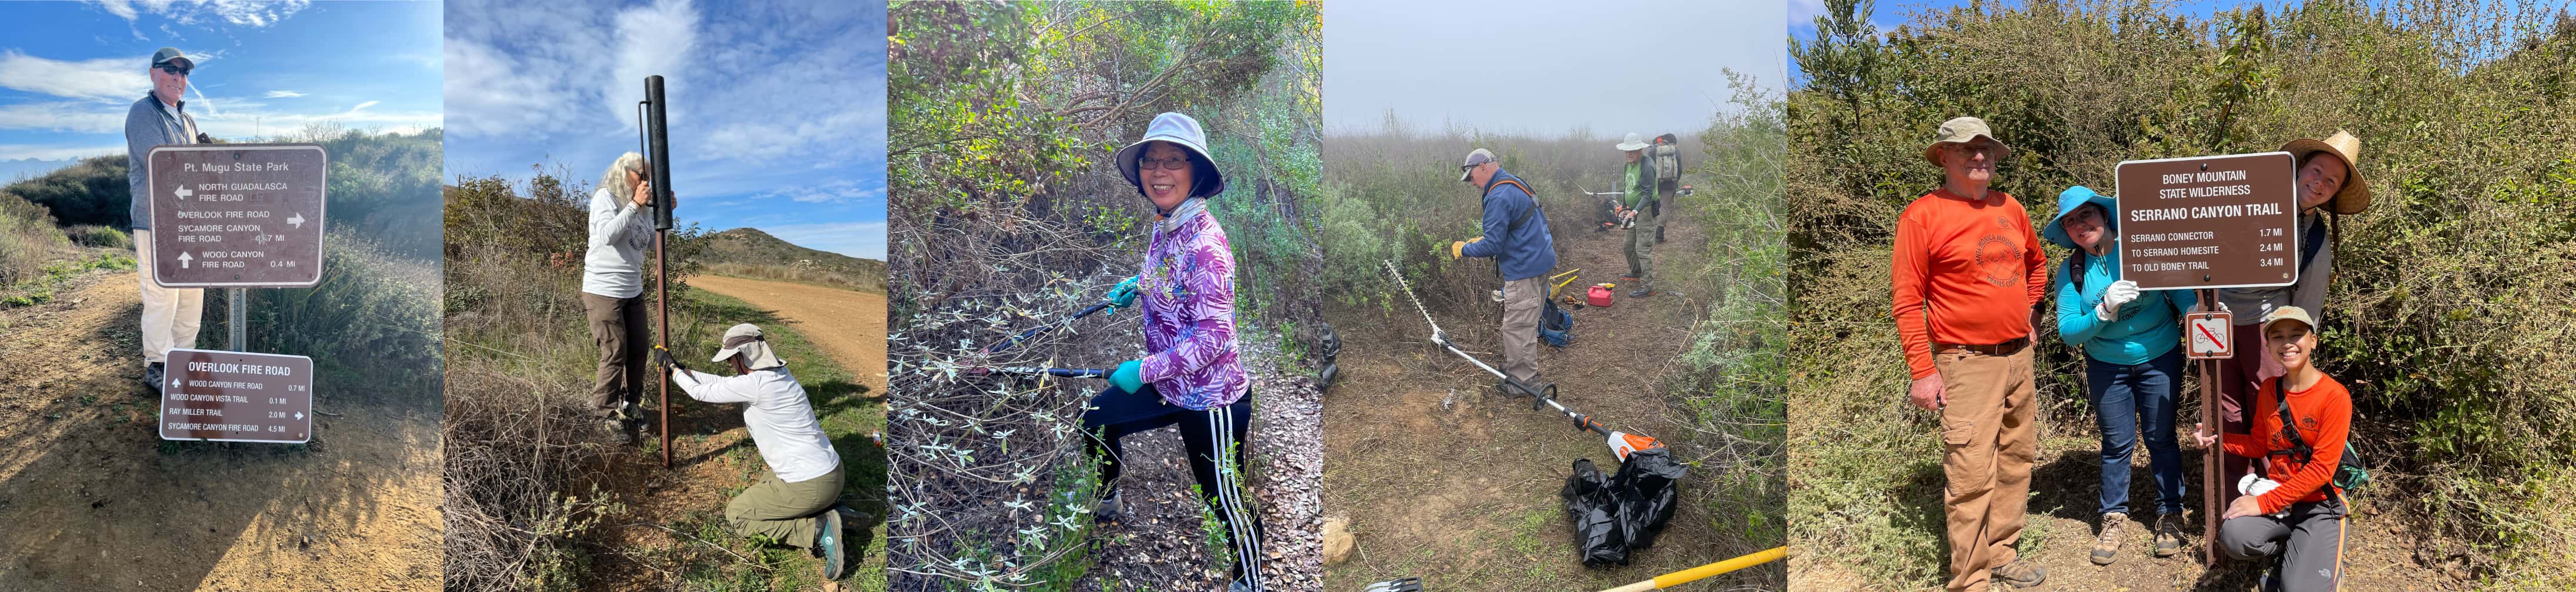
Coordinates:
1215 441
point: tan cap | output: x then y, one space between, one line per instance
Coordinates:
1961 130
2355 195
2288 313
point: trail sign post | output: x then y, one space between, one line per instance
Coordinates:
657 132
2208 222
237 397
236 215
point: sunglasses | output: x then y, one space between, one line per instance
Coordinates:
175 69
1175 163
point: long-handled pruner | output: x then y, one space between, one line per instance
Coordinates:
1016 338
1544 396
1697 573
1039 371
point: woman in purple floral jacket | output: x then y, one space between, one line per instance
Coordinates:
1190 375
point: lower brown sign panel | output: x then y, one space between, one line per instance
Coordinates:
237 397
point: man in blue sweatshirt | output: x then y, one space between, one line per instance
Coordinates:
1516 237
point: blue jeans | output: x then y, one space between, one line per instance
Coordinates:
2122 395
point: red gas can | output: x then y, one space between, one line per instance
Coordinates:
1599 295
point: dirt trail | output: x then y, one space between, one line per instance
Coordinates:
1443 479
94 500
849 325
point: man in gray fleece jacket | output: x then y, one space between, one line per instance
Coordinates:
170 315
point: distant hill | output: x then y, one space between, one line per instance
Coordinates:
752 248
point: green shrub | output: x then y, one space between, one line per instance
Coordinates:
92 235
28 239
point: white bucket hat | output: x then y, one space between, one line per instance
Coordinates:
745 340
1183 131
1634 143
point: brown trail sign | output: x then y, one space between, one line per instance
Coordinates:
237 397
2208 222
236 215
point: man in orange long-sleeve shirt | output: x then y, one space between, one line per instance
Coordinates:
1969 277
2301 520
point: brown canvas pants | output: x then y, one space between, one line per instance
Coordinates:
1990 443
625 350
1522 299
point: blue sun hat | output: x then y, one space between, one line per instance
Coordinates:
1183 131
2067 201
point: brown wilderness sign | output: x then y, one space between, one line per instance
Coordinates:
2208 222
237 397
236 215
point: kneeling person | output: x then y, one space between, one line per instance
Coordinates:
2299 520
799 503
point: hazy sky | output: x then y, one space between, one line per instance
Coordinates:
1544 67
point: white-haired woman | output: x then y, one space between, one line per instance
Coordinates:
612 292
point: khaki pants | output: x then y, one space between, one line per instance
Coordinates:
1640 249
170 315
625 351
784 512
1990 443
1521 302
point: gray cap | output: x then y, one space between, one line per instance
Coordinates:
171 53
1480 156
745 340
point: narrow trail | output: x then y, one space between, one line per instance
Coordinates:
849 325
95 501
1441 478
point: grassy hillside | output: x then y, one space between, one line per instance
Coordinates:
748 252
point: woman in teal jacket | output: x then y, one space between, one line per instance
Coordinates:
2132 364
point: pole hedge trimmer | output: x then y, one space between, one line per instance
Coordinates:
1543 396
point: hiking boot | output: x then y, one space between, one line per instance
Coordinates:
2108 544
1239 586
1642 292
827 542
2168 534
2020 574
1109 509
154 375
631 412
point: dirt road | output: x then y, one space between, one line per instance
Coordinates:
848 325
93 500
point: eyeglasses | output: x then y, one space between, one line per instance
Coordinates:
1978 148
174 69
1174 163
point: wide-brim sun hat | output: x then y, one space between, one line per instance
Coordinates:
745 340
1961 130
2067 201
1633 143
1181 131
2355 194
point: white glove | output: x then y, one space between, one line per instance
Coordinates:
2252 484
2121 293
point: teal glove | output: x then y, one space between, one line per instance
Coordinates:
1127 376
1123 295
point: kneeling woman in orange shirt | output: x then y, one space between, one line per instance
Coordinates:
2296 514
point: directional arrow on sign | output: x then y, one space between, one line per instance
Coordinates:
174 382
296 220
184 259
299 415
183 192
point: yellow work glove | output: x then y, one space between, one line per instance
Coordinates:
1458 249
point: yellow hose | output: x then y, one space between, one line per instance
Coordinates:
1695 574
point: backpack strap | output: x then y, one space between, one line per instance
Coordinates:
2312 242
2290 425
1523 219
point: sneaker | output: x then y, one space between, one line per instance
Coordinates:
2108 544
2020 574
631 412
828 543
2168 534
1109 509
154 375
1238 586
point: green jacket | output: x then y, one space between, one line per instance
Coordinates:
1640 179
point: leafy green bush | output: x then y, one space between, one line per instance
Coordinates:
92 235
28 239
2447 314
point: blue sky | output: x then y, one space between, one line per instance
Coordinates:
69 71
777 108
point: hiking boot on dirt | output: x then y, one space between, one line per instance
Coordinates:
1109 509
2108 544
827 542
1642 292
2020 574
2168 535
153 375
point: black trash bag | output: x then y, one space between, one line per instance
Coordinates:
1594 510
1646 488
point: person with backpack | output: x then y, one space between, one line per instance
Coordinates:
2294 515
2132 364
1522 250
1191 374
2328 181
1968 278
1637 210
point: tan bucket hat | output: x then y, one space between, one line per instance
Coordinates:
746 340
1633 143
2355 195
1960 131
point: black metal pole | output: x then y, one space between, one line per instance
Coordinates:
660 161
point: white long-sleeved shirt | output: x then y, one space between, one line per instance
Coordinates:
781 421
621 234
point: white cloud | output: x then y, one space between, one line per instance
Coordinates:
23 151
866 240
836 191
99 79
283 94
120 8
85 117
655 39
248 13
